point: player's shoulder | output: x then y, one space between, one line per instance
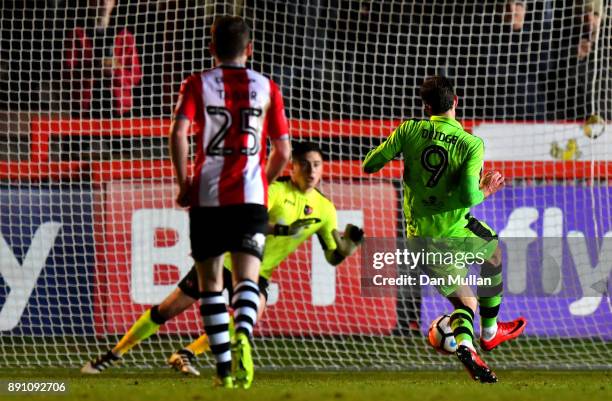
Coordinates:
282 181
256 74
413 126
281 184
192 84
327 209
470 139
189 79
195 79
204 73
259 77
210 73
262 83
284 178
408 125
324 199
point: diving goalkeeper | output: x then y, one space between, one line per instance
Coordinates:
442 181
297 211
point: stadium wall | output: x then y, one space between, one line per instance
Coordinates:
96 253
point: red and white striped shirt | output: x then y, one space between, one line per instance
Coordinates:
235 108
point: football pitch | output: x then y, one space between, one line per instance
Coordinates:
163 384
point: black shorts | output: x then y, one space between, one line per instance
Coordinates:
189 284
235 228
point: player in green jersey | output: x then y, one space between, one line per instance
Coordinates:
297 211
442 180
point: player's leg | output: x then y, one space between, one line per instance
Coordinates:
245 300
150 322
247 254
462 318
201 344
263 296
490 296
493 332
462 323
215 316
245 303
146 325
181 360
207 249
462 297
485 241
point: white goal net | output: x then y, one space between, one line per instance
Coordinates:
91 236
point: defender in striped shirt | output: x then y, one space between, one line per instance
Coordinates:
234 110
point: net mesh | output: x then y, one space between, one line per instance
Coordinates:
91 236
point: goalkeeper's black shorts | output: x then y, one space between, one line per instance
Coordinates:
189 284
214 231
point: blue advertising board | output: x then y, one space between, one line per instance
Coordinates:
557 242
47 253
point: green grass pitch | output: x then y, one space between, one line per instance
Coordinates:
152 385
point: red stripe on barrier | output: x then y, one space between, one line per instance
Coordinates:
36 171
104 171
43 127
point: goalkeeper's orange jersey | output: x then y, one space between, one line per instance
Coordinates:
286 204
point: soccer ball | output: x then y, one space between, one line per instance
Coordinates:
594 126
440 335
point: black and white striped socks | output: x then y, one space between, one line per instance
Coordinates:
216 324
245 303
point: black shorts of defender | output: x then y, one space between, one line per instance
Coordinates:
214 231
189 284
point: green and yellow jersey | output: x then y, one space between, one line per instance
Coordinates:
442 166
286 204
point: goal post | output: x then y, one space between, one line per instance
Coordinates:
91 236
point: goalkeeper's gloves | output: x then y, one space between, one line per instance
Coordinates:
295 227
347 244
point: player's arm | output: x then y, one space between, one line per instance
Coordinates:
293 228
346 244
179 145
491 182
469 193
279 156
338 247
179 151
386 151
278 130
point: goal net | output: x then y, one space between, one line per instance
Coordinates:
91 236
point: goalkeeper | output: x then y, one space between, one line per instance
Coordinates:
441 181
297 211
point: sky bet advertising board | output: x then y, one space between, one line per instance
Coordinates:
55 279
